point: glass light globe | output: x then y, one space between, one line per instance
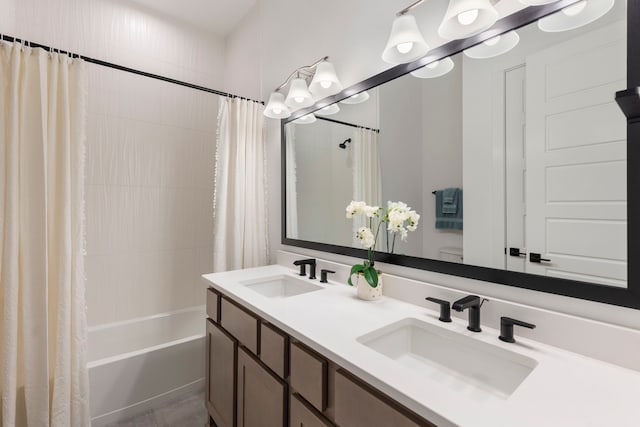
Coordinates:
492 41
575 9
468 17
404 47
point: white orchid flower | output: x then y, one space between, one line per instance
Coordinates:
355 208
365 235
371 211
413 219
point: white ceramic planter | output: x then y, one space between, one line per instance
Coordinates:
365 291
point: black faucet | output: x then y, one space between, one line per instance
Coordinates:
323 275
506 328
445 310
473 303
311 262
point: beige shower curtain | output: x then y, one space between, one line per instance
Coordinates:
367 176
240 236
43 332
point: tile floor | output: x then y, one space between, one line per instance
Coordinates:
185 411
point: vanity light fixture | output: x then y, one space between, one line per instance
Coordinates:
276 108
575 15
434 69
328 110
357 98
299 95
494 46
324 82
465 18
405 43
305 120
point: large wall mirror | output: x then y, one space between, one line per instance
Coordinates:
513 150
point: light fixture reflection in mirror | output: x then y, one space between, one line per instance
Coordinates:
495 46
357 98
465 18
305 120
434 69
406 42
576 15
328 110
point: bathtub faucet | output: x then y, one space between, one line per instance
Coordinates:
311 262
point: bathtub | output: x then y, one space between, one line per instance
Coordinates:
138 364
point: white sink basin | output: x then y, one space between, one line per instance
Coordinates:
281 286
462 363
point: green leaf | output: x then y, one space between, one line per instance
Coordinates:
355 269
371 276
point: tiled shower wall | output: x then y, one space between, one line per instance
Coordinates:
149 195
150 148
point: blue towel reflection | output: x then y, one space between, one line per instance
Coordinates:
449 209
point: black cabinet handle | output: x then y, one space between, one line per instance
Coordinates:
516 252
537 258
445 309
506 328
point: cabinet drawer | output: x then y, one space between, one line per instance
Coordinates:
301 415
213 305
358 405
242 325
273 349
308 375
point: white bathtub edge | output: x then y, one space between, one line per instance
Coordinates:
197 308
148 404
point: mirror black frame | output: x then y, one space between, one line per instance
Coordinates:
629 101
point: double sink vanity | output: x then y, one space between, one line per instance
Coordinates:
284 349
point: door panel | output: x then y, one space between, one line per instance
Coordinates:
576 158
514 122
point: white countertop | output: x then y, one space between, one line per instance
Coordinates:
565 389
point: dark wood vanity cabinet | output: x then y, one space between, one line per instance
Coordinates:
359 405
257 376
302 414
261 395
221 359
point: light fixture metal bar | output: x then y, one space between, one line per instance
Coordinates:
408 8
305 69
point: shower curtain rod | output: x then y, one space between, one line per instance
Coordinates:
347 124
126 69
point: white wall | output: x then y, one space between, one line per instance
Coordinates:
296 33
400 145
324 182
150 148
243 57
441 154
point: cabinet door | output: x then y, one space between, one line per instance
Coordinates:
261 395
222 352
358 405
301 414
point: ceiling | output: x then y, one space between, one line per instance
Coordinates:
216 16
